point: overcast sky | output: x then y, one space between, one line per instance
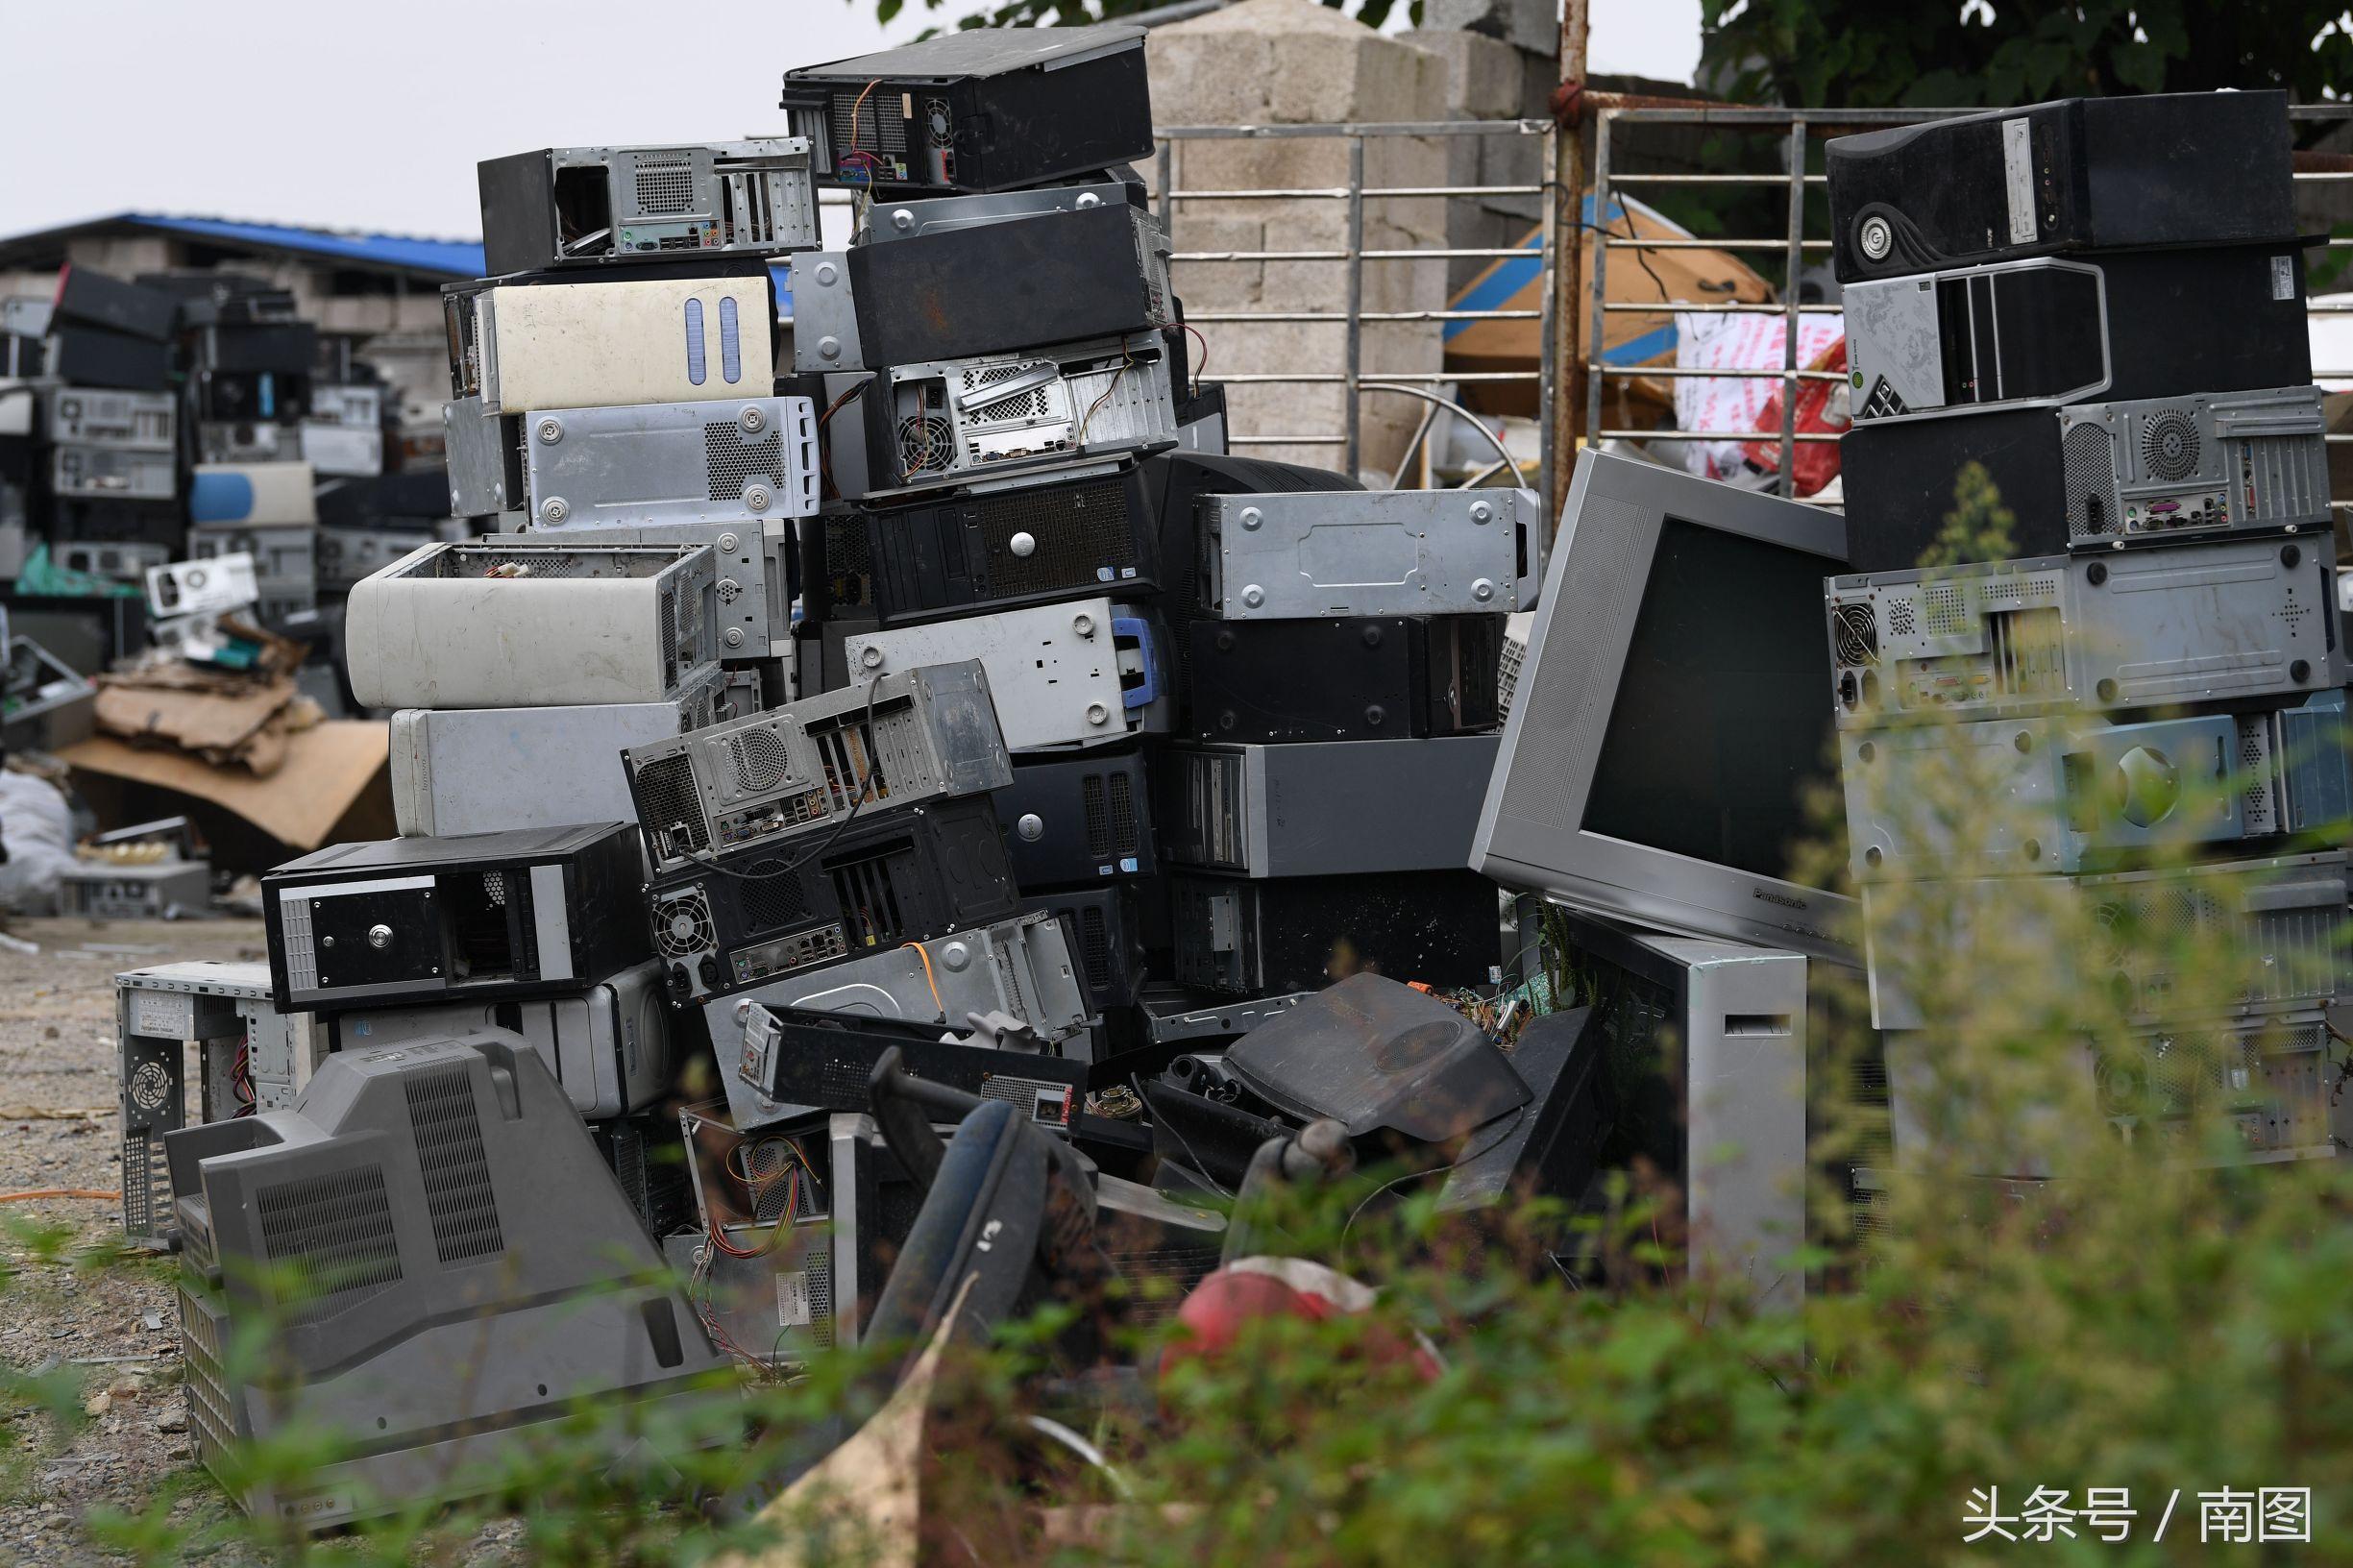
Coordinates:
349 115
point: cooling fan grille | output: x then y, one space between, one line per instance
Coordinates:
2169 444
925 442
760 758
682 926
1856 629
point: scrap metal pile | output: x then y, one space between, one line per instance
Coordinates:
921 723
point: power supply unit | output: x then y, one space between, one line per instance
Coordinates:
82 416
170 889
527 912
250 1058
926 734
1078 820
2143 324
986 110
458 770
1108 921
2224 621
2069 793
935 424
876 880
1310 555
826 1060
608 1043
2082 174
1350 678
1025 970
886 221
735 461
1254 936
98 299
397 1266
1002 547
479 625
1324 808
1082 673
604 341
346 555
563 207
750 600
345 451
2267 935
1055 277
112 474
252 494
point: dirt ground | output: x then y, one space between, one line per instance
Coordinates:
112 1324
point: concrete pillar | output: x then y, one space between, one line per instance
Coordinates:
1293 61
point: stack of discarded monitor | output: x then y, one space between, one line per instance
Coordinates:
2102 303
936 731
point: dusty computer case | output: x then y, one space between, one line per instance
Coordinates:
573 207
929 733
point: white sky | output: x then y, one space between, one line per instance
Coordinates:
346 114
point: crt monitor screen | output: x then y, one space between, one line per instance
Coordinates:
1719 729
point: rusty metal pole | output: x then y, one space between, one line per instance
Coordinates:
1568 261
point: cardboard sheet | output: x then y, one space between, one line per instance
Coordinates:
329 772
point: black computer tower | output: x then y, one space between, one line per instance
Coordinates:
524 912
983 110
93 299
2082 174
94 357
998 287
1259 937
874 881
1078 820
1070 539
1109 922
1353 678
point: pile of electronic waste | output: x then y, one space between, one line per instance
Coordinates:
184 416
901 827
920 724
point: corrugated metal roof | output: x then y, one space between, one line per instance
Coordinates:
438 260
449 257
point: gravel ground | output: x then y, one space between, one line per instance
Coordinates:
111 1323
74 1304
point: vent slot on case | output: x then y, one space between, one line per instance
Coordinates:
459 1197
334 1233
672 810
870 898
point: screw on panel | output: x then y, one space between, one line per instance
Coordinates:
550 432
555 510
751 420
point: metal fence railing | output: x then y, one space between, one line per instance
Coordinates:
1793 127
1354 256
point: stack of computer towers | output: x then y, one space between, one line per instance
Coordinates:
2102 303
106 469
252 369
1342 678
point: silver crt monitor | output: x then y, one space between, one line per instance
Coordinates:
1662 740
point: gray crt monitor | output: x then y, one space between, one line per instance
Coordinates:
1663 739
